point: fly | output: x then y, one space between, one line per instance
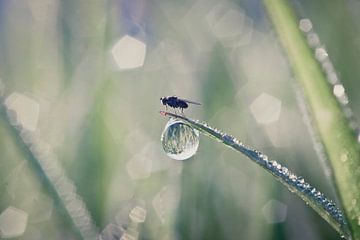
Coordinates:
176 102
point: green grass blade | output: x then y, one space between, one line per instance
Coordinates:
50 173
296 184
338 139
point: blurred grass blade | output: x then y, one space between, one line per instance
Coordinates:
296 184
50 173
339 141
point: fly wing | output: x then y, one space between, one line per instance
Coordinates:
189 101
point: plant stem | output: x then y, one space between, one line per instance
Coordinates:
339 141
296 184
50 173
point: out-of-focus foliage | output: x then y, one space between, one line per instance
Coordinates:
87 77
329 106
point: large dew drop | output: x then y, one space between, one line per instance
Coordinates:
179 140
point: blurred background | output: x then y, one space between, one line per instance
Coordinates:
80 150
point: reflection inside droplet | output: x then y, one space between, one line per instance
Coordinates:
179 140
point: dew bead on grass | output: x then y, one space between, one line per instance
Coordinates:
179 140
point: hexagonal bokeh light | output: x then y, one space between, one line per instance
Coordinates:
13 222
138 214
266 109
225 24
27 110
274 211
129 53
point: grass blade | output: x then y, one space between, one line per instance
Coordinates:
296 184
339 140
52 176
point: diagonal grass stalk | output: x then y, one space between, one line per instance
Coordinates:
296 184
331 124
50 173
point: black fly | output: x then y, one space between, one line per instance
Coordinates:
176 102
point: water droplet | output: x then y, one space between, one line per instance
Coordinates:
228 139
179 140
264 157
327 66
313 40
338 90
306 186
305 25
292 177
285 171
26 110
301 180
274 163
138 214
332 77
321 54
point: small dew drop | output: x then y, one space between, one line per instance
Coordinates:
301 180
264 157
285 170
228 140
138 214
313 39
305 25
321 54
179 140
339 90
292 177
332 77
328 67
